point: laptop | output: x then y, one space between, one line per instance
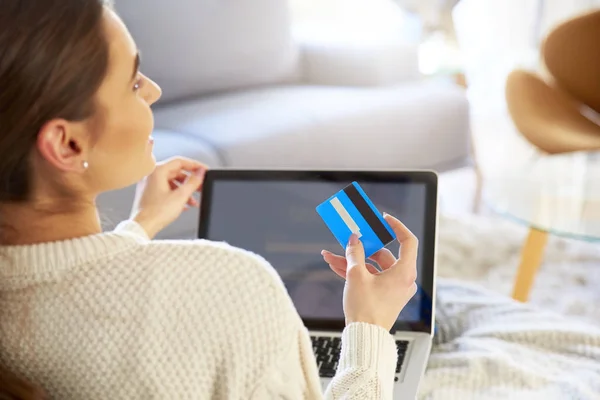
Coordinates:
275 217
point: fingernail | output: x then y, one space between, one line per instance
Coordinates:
324 252
353 239
385 214
199 172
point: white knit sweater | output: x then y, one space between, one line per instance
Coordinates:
118 316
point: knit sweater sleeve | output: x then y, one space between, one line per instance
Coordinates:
365 371
367 364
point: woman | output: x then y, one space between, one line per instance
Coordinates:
92 315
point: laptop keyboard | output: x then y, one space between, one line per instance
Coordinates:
327 352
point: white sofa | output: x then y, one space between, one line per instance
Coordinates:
242 89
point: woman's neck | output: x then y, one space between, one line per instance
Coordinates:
25 224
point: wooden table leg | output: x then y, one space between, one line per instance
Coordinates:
531 259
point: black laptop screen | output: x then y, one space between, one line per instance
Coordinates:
276 218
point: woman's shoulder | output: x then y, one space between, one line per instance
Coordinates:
199 257
201 251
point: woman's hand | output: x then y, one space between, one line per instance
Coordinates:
370 295
166 192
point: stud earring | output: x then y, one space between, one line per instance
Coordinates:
85 165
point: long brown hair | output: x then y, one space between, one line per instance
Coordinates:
53 58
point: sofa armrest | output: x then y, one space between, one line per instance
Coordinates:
344 60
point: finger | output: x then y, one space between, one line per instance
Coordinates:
409 244
179 162
192 202
341 272
384 258
355 256
340 267
193 184
174 184
339 262
334 259
372 269
173 166
178 180
181 177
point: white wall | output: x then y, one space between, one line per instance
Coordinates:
497 36
556 11
353 20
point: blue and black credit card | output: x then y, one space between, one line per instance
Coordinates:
351 211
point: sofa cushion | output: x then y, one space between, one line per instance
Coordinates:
414 125
193 47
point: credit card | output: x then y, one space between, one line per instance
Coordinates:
351 211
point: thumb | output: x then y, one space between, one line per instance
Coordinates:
355 256
192 185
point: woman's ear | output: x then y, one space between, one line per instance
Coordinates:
62 144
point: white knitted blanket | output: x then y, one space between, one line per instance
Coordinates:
488 347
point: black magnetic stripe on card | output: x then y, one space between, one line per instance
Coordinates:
368 214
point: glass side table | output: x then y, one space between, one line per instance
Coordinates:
557 195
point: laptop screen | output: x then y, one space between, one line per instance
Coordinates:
274 216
